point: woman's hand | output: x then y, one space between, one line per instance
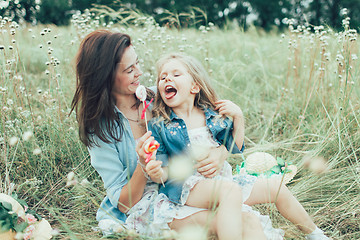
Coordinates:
145 139
227 107
209 167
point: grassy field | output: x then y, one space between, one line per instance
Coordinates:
299 92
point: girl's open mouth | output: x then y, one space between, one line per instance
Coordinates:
170 92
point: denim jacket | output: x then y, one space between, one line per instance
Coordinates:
174 140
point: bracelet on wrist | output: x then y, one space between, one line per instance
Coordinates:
142 166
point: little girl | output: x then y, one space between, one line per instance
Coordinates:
187 111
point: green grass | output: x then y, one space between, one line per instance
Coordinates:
298 99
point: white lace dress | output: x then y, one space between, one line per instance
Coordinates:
202 137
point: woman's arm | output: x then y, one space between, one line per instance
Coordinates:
122 191
132 192
209 166
134 189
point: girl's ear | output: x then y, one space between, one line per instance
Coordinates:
195 88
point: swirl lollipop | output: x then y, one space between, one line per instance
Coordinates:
150 148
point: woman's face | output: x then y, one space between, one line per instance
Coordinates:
127 73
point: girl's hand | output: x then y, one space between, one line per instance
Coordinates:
209 167
154 170
227 107
145 139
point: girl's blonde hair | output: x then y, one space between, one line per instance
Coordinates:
206 96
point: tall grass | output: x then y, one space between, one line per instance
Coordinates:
299 92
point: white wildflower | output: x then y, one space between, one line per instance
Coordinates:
70 176
84 182
27 135
13 141
37 151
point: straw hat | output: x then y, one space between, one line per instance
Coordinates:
264 164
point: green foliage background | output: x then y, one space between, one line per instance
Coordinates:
268 14
299 92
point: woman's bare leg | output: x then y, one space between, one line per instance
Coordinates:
205 219
271 191
252 228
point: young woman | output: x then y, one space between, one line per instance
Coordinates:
108 114
187 111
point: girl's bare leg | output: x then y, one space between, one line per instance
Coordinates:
225 196
267 191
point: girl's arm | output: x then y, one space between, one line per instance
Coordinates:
157 169
226 107
157 173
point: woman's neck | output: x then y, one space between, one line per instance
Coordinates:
125 102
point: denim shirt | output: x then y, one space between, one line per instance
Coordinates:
174 140
115 162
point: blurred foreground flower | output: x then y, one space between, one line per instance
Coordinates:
170 234
317 164
193 233
180 167
199 152
14 224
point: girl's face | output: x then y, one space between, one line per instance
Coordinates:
127 73
176 86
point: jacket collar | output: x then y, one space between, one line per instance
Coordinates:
207 111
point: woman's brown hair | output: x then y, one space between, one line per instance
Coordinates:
96 63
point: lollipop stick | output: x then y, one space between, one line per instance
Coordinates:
145 116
